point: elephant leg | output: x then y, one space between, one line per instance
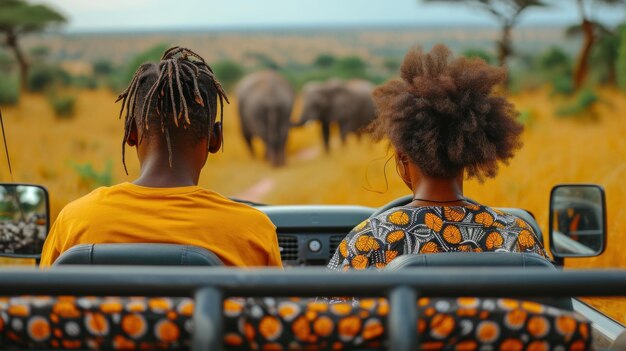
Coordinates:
248 140
326 135
343 134
245 132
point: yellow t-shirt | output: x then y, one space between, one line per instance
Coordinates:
127 213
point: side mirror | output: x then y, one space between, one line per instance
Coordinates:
577 220
24 220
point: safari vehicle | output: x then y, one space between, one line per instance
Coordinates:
308 236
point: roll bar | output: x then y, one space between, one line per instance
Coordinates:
209 287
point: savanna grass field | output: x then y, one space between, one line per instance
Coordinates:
71 156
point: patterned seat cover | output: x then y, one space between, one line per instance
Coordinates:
140 323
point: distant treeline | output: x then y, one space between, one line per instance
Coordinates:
553 66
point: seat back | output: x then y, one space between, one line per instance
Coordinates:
482 259
138 254
470 259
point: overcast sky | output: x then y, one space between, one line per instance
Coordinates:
122 15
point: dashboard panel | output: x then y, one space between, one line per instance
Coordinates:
309 235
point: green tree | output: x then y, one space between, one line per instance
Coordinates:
324 61
591 30
604 56
351 67
621 60
507 13
228 73
103 67
17 18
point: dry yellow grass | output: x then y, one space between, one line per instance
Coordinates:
43 150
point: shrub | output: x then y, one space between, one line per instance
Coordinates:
63 105
89 178
324 61
556 67
228 73
102 68
555 59
562 84
350 67
85 82
9 89
581 107
526 117
42 77
480 53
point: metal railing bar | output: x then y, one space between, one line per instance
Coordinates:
442 282
207 320
402 321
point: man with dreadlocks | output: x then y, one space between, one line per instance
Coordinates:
171 110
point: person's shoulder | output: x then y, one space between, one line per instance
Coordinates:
508 220
75 207
243 211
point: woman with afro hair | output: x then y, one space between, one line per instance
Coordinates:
444 123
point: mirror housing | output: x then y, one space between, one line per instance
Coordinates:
24 219
577 220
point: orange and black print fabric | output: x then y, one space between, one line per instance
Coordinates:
284 324
432 229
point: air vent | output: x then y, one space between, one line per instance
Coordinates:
288 245
335 240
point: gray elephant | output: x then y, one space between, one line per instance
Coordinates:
265 101
348 104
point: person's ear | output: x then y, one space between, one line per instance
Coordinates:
402 168
133 136
217 136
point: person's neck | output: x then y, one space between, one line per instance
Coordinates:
157 173
439 190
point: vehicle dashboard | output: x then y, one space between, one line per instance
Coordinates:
309 235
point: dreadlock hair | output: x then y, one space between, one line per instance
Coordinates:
443 114
178 90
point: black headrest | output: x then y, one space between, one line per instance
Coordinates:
470 259
525 215
139 255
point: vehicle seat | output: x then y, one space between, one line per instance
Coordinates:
470 259
526 216
138 255
482 259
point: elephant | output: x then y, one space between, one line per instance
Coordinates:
265 103
348 104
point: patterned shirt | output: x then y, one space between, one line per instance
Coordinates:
431 229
